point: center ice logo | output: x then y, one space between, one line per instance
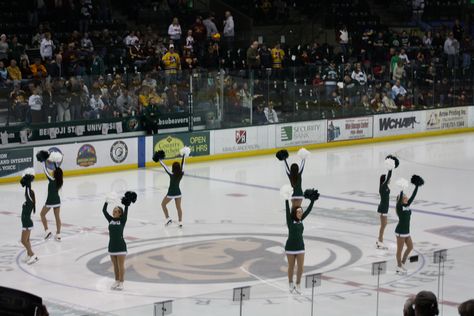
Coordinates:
240 136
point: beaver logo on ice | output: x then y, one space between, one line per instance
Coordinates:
86 156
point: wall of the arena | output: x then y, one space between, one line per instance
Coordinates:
129 153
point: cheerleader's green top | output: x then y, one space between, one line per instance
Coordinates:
53 199
117 244
384 192
404 214
26 210
173 189
295 229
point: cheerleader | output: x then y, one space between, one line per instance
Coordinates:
55 184
294 246
27 208
391 162
402 231
117 246
294 173
174 192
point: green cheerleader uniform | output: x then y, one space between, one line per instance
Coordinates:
117 245
173 190
404 215
297 188
384 192
27 208
295 244
53 199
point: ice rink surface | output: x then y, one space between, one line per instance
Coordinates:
234 232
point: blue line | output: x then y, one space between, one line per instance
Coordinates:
327 197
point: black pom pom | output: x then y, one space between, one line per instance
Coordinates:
158 155
126 201
397 162
282 154
311 194
42 156
26 180
132 196
417 180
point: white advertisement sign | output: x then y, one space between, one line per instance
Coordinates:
399 123
447 118
350 128
240 139
471 116
93 154
303 133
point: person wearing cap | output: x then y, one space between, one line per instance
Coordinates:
172 64
426 304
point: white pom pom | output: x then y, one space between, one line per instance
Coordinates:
112 197
389 164
303 153
185 151
55 157
28 171
403 183
286 191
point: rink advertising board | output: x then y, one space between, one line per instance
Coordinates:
447 118
471 116
14 161
303 133
89 155
350 128
171 144
240 139
399 123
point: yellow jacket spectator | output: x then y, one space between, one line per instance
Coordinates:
171 61
277 57
14 71
38 70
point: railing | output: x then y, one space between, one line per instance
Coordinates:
206 99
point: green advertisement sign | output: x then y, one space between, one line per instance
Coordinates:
171 144
15 160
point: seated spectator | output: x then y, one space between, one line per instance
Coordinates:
25 69
14 72
189 60
426 304
125 105
176 99
388 103
38 70
3 75
135 54
96 107
398 71
270 113
359 75
466 308
149 81
398 89
376 104
259 117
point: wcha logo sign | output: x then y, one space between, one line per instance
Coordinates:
397 123
286 133
241 136
119 152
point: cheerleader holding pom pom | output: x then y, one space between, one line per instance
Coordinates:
27 208
391 163
294 246
117 247
402 231
55 183
174 192
294 173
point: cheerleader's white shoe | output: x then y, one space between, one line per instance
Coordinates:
291 287
114 286
32 259
298 289
119 286
180 224
57 237
168 221
401 270
25 259
47 235
380 245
